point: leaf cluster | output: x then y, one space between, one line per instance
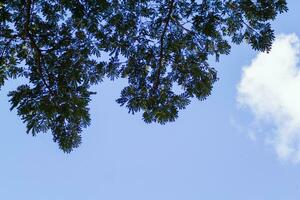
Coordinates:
157 45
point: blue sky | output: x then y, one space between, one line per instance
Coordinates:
236 145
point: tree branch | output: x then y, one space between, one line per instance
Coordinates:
38 53
161 51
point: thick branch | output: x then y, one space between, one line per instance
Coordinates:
38 53
161 52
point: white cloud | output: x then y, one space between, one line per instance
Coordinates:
270 87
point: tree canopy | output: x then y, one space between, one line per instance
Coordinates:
157 45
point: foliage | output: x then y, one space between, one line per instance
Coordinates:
158 45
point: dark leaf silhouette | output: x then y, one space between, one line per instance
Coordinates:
157 45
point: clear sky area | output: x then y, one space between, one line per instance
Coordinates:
242 143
